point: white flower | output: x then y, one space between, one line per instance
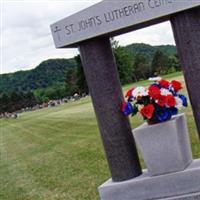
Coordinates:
165 92
139 91
171 88
179 103
155 78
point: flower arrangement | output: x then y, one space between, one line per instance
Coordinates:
157 103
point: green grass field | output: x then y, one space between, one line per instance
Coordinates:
56 153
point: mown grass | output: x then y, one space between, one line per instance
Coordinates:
57 154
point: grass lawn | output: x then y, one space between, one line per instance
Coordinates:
57 154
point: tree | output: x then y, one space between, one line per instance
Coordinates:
177 63
16 101
141 68
159 63
124 64
81 81
71 80
40 95
57 91
4 101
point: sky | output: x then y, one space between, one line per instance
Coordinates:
26 39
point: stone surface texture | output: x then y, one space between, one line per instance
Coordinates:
165 147
186 28
106 93
125 16
183 185
195 196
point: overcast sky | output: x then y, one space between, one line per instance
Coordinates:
26 39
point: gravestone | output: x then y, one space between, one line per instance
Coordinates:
90 30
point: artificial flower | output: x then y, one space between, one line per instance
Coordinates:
173 111
156 85
139 92
164 83
154 92
161 101
129 93
176 85
127 108
147 111
184 100
158 103
163 115
170 101
179 103
165 92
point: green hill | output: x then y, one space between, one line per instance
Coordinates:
48 73
53 72
148 51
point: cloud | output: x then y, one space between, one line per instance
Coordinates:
154 35
26 36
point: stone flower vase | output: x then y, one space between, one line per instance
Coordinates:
165 147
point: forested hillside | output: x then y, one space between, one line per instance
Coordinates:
148 51
48 73
53 71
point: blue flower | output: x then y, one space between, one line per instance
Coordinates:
163 115
128 109
157 85
130 99
173 110
184 100
173 92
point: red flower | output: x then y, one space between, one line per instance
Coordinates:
170 100
147 111
164 83
129 93
154 92
161 101
176 85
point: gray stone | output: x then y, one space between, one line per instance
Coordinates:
165 147
195 196
111 18
102 78
186 28
184 184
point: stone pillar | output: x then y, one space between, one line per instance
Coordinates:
105 89
186 28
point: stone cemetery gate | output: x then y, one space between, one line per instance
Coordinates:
90 30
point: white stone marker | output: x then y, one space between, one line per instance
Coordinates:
114 17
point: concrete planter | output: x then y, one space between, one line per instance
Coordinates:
165 147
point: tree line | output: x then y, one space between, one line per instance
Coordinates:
16 101
131 69
140 67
